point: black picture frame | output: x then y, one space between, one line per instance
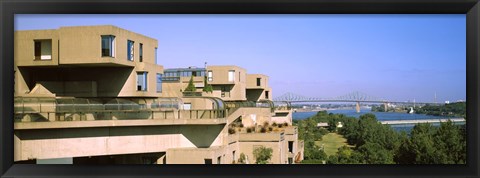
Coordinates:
9 8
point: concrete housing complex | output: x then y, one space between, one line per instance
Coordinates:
96 95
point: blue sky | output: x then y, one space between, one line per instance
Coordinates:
396 57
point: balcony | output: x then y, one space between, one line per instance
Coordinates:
68 112
170 79
192 93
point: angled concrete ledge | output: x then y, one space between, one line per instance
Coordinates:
116 123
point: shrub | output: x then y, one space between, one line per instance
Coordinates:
240 125
280 125
270 129
265 124
242 159
285 124
190 87
262 154
274 124
231 130
249 129
263 130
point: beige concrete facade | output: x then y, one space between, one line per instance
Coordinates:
80 94
258 88
228 81
76 59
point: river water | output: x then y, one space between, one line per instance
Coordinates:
381 116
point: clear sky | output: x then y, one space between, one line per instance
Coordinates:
396 57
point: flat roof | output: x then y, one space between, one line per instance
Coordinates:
184 69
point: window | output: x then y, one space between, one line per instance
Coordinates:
266 94
259 81
233 156
140 48
208 161
187 106
130 48
290 146
231 75
210 76
219 160
43 49
142 81
156 56
159 83
108 46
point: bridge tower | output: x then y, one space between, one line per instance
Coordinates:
385 106
358 106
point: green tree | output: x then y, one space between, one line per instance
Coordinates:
262 154
207 87
450 142
421 145
374 153
332 125
190 87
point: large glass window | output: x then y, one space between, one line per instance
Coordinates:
142 81
140 48
43 49
159 83
108 46
231 75
130 49
258 81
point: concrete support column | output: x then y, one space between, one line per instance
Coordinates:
358 107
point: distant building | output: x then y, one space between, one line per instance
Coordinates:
96 95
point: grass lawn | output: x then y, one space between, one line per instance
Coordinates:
331 143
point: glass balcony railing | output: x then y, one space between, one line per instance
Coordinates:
82 109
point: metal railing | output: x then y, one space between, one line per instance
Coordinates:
118 115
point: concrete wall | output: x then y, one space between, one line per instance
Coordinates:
82 44
80 47
24 47
249 141
235 89
175 88
282 117
80 142
196 155
252 81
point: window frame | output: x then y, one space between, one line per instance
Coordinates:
231 75
40 42
130 50
209 75
159 78
112 45
140 52
145 81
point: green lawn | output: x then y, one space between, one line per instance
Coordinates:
331 143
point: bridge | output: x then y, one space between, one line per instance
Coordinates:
356 97
417 121
413 121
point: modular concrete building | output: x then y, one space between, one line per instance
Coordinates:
96 95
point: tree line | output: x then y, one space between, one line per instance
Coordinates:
458 109
374 143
